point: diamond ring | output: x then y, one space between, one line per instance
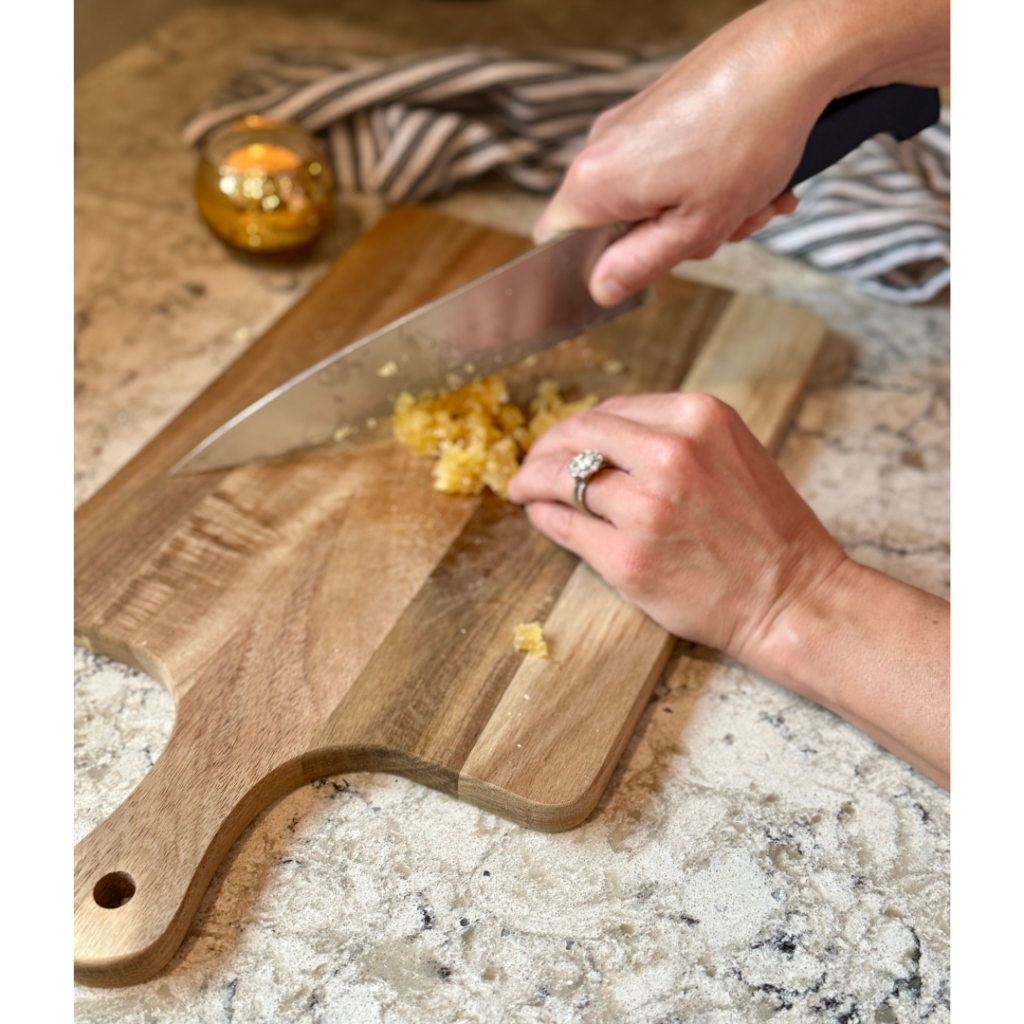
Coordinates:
581 468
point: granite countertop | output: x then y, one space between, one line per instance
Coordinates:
753 857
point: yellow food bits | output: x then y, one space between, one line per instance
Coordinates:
460 468
529 637
502 462
389 369
477 435
548 408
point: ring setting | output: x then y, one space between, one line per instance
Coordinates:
581 468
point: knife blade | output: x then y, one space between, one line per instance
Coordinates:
523 307
526 306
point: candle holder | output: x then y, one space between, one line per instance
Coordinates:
264 186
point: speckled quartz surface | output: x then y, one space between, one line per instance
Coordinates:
753 858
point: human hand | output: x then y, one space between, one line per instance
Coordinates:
696 525
703 155
700 157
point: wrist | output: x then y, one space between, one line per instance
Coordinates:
874 651
796 646
849 45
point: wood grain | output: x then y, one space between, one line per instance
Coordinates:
334 613
758 360
539 759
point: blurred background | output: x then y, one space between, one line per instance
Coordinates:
105 27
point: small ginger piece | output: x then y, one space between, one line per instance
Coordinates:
529 637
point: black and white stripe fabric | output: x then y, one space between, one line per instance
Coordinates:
878 217
412 128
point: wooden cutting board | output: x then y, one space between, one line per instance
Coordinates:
333 612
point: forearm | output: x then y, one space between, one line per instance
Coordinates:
876 652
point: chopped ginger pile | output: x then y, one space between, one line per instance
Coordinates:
477 435
529 637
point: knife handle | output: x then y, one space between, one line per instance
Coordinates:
898 110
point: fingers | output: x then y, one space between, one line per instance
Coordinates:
573 206
786 203
753 224
688 414
547 479
596 189
658 412
618 440
578 532
633 433
648 251
606 118
782 206
554 220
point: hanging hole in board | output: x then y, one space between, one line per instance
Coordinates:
114 890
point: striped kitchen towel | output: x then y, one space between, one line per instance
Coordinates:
411 128
878 218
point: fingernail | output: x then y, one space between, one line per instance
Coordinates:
608 292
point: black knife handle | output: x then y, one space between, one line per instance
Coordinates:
899 110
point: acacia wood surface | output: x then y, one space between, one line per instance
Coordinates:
334 613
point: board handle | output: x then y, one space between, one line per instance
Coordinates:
141 874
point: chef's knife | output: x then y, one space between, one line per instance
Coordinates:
522 308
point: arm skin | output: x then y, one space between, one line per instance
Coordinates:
701 156
697 526
876 652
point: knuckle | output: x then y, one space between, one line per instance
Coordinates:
711 227
580 427
704 413
588 171
669 453
704 233
631 568
652 514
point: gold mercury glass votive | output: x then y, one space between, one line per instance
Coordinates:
263 185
